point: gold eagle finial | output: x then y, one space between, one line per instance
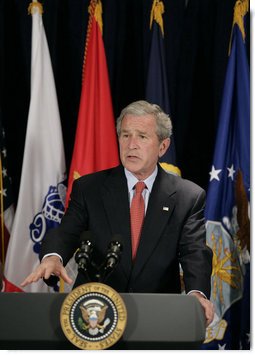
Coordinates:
35 6
157 11
240 10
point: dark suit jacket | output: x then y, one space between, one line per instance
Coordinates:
99 203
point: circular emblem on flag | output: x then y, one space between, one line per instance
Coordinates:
93 316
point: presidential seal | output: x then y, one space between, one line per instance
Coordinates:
93 316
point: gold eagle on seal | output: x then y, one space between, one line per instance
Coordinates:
93 314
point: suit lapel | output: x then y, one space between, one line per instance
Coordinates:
116 203
160 207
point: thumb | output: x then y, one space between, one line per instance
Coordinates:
65 277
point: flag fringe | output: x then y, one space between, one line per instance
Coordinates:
98 15
95 11
243 233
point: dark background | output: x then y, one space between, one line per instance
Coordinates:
197 36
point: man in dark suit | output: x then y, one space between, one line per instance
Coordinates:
173 230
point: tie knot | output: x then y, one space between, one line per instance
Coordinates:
139 186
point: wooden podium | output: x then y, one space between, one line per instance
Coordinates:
31 321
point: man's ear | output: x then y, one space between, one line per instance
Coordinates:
164 145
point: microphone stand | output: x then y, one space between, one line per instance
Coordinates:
83 257
112 260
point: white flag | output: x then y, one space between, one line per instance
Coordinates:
42 191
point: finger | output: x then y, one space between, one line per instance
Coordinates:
25 282
34 277
51 267
209 314
65 276
49 272
59 271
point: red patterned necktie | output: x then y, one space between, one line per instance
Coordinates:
137 215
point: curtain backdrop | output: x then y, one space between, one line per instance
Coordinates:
197 34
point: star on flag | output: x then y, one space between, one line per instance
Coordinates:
214 174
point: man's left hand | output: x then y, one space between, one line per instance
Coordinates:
207 306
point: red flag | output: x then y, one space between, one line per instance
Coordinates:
6 198
95 145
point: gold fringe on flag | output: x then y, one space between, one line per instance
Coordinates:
243 220
98 15
95 10
240 10
157 11
35 6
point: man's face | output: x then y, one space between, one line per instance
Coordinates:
139 145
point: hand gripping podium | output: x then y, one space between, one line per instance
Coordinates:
30 321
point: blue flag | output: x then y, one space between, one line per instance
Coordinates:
228 196
157 85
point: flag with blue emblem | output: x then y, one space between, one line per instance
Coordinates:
42 190
228 207
157 85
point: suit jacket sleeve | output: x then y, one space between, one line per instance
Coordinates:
194 255
65 239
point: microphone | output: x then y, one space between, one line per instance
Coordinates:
113 254
83 255
51 281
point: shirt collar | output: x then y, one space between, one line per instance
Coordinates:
132 180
